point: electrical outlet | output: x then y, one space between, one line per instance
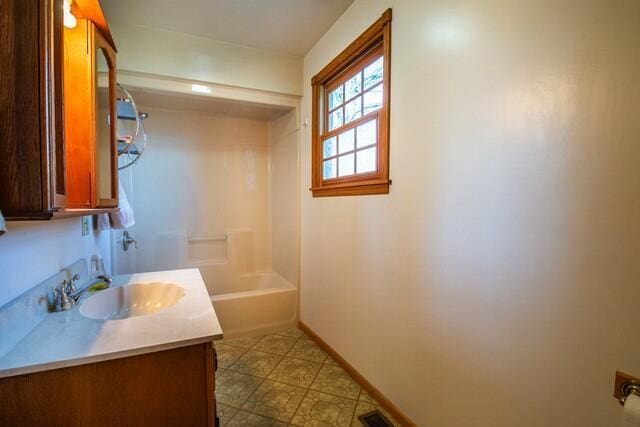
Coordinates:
85 225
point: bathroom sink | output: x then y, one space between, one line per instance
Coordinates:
137 299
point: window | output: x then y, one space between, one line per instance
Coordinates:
350 120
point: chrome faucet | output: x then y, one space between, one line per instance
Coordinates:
68 294
75 293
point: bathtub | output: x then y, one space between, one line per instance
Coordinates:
249 303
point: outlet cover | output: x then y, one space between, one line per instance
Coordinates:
86 220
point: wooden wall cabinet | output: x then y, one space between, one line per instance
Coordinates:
32 178
41 171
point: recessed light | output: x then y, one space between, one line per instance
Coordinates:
200 89
70 21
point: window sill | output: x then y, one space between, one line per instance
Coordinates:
352 189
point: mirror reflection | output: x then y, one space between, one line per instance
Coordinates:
103 133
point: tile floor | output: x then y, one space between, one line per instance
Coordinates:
285 379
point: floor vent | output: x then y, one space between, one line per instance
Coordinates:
374 419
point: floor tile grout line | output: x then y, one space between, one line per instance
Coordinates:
235 360
253 392
241 408
302 337
307 389
272 369
259 349
333 394
280 382
250 394
303 360
259 415
307 392
299 386
264 379
263 416
353 416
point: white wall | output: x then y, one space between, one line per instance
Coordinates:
503 268
284 201
155 51
31 252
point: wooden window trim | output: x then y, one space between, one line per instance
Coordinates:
375 39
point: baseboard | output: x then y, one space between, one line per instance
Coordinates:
374 392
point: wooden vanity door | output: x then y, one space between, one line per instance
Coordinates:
166 388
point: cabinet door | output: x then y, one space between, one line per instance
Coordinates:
106 161
78 115
91 153
32 178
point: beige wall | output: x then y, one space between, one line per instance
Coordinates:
503 268
284 162
159 52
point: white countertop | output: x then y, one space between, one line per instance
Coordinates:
68 338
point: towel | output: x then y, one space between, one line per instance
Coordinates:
103 222
121 218
3 225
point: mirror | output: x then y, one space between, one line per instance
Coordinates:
104 145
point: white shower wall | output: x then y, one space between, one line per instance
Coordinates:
207 176
284 191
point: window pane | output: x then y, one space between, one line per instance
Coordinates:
373 74
345 165
366 160
367 133
329 147
336 98
353 86
346 141
353 110
329 169
335 119
373 99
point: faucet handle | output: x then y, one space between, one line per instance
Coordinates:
56 299
70 286
62 300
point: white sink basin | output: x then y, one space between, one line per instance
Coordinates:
137 299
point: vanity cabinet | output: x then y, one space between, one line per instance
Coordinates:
58 153
166 388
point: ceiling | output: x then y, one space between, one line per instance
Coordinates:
290 26
217 106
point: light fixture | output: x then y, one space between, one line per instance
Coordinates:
200 89
70 21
